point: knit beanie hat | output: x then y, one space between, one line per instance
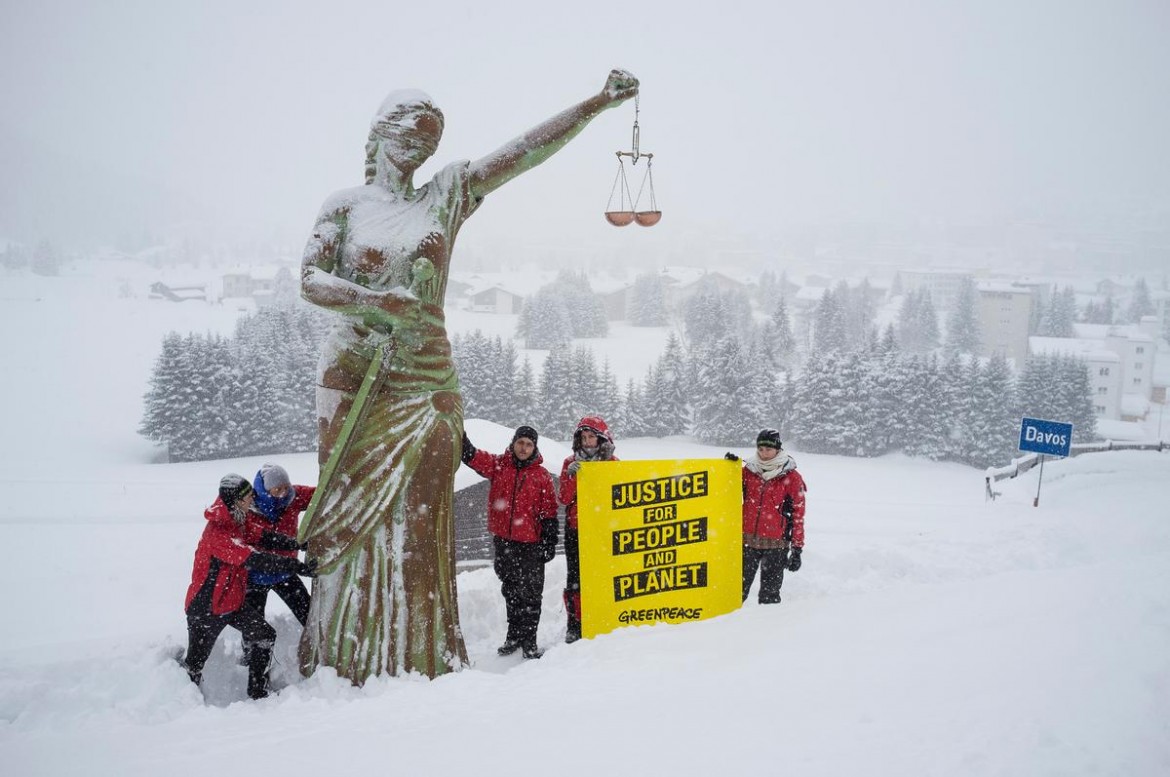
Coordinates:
274 476
769 438
233 488
527 432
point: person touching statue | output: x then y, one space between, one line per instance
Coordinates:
389 410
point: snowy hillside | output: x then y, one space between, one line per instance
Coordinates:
929 631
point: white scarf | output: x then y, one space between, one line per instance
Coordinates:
780 464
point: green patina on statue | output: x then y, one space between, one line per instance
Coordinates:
390 413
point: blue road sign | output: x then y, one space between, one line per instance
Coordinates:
1051 437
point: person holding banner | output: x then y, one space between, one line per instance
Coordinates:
591 442
773 516
522 517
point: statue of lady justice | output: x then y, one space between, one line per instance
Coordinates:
388 403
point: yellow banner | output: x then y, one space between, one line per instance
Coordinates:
661 541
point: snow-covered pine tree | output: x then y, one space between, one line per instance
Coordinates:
648 301
1140 304
860 312
586 310
163 412
652 419
633 412
544 321
503 383
963 321
584 382
829 321
925 433
473 360
1060 314
1034 388
610 403
855 427
917 323
1075 390
993 430
725 414
954 402
928 322
1109 312
815 395
706 318
524 396
883 401
784 340
676 380
556 408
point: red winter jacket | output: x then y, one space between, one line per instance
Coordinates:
763 501
221 548
519 497
568 485
286 524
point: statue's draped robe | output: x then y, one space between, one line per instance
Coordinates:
385 599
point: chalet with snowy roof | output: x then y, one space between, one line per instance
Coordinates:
496 299
685 282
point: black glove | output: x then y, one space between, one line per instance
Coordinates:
271 540
794 559
468 450
549 531
270 563
730 456
307 568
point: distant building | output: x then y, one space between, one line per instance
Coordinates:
1004 313
682 283
943 285
1105 373
496 299
160 290
1122 365
257 283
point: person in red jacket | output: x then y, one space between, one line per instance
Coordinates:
522 517
215 597
271 526
773 516
591 442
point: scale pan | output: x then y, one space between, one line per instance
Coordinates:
648 218
620 218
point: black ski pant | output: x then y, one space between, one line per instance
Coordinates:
771 562
520 567
572 584
203 629
291 591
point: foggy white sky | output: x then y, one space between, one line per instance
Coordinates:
235 120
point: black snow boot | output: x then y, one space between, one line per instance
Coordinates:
258 672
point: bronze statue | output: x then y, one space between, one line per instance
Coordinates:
388 403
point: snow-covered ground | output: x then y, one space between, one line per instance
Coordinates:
929 632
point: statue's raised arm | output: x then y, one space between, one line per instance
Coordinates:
544 140
389 412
